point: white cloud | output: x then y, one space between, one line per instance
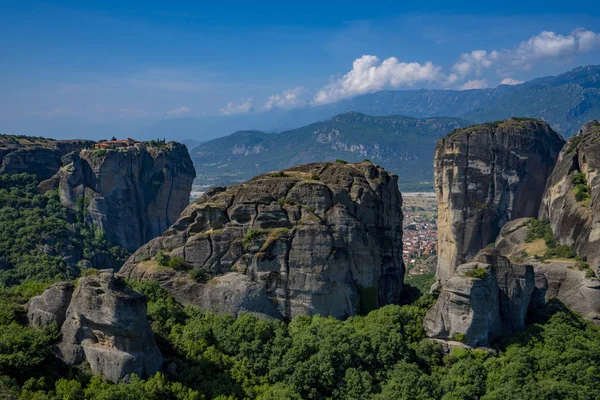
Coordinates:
475 61
544 46
368 74
552 45
239 108
474 84
287 99
510 81
178 112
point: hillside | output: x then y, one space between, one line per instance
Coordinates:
402 145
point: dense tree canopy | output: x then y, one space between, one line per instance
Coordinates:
381 355
38 234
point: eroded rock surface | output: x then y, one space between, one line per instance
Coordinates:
576 222
51 306
554 279
104 324
38 156
322 238
132 194
485 176
478 308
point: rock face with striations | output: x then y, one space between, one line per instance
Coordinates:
38 156
133 194
485 299
50 306
555 278
101 322
576 221
485 176
322 238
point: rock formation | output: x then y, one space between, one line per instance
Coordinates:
101 322
554 279
132 193
485 176
322 238
37 156
485 299
576 221
50 306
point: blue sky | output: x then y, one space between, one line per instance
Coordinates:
142 60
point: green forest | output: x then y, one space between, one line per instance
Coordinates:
381 355
38 234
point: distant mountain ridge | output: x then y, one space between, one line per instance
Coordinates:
565 101
400 144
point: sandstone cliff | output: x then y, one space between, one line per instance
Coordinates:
132 194
571 201
485 176
322 238
37 156
101 322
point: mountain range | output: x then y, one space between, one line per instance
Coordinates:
403 145
565 101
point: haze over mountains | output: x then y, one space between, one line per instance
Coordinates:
565 101
401 144
404 145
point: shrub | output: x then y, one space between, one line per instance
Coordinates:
100 152
582 190
589 273
162 259
461 337
199 275
177 263
341 161
538 229
315 177
90 272
252 234
476 273
278 174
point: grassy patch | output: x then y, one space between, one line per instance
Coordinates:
476 273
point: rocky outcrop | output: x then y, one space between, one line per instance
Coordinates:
51 306
322 238
37 156
554 279
576 221
133 194
484 300
485 176
101 322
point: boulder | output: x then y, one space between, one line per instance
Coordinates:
479 308
104 324
51 306
321 238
